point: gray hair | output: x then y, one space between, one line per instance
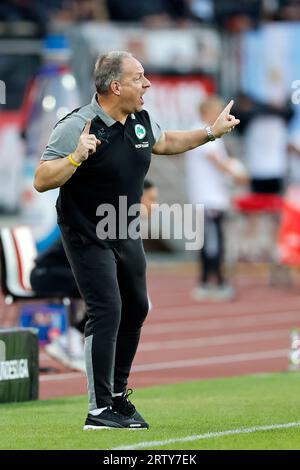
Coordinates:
109 68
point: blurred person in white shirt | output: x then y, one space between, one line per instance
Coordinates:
209 169
264 127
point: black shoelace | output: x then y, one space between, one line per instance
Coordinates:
127 406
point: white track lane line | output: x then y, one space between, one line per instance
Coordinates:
63 376
230 359
209 435
216 360
175 311
237 338
190 343
228 323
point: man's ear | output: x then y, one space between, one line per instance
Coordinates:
115 87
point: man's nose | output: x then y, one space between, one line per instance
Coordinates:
146 83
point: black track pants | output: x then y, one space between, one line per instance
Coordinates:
112 282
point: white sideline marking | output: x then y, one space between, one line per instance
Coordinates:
209 435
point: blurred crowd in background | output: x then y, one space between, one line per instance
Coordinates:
191 49
225 14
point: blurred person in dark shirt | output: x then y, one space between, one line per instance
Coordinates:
237 16
26 10
148 11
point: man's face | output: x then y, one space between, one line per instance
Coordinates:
133 86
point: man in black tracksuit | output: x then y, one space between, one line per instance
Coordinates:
99 156
52 275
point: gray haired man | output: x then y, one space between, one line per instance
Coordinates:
96 155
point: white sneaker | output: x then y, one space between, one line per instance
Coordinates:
76 349
224 292
77 364
68 350
294 359
209 292
202 292
57 350
75 343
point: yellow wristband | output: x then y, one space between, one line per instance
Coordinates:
70 158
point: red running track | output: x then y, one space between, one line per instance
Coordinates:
184 340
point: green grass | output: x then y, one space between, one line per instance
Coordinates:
173 411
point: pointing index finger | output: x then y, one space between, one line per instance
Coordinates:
87 127
227 109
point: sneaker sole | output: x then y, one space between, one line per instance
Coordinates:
88 427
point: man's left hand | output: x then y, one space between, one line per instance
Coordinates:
225 122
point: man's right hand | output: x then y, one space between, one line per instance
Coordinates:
87 144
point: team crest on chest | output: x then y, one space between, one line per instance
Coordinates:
140 131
